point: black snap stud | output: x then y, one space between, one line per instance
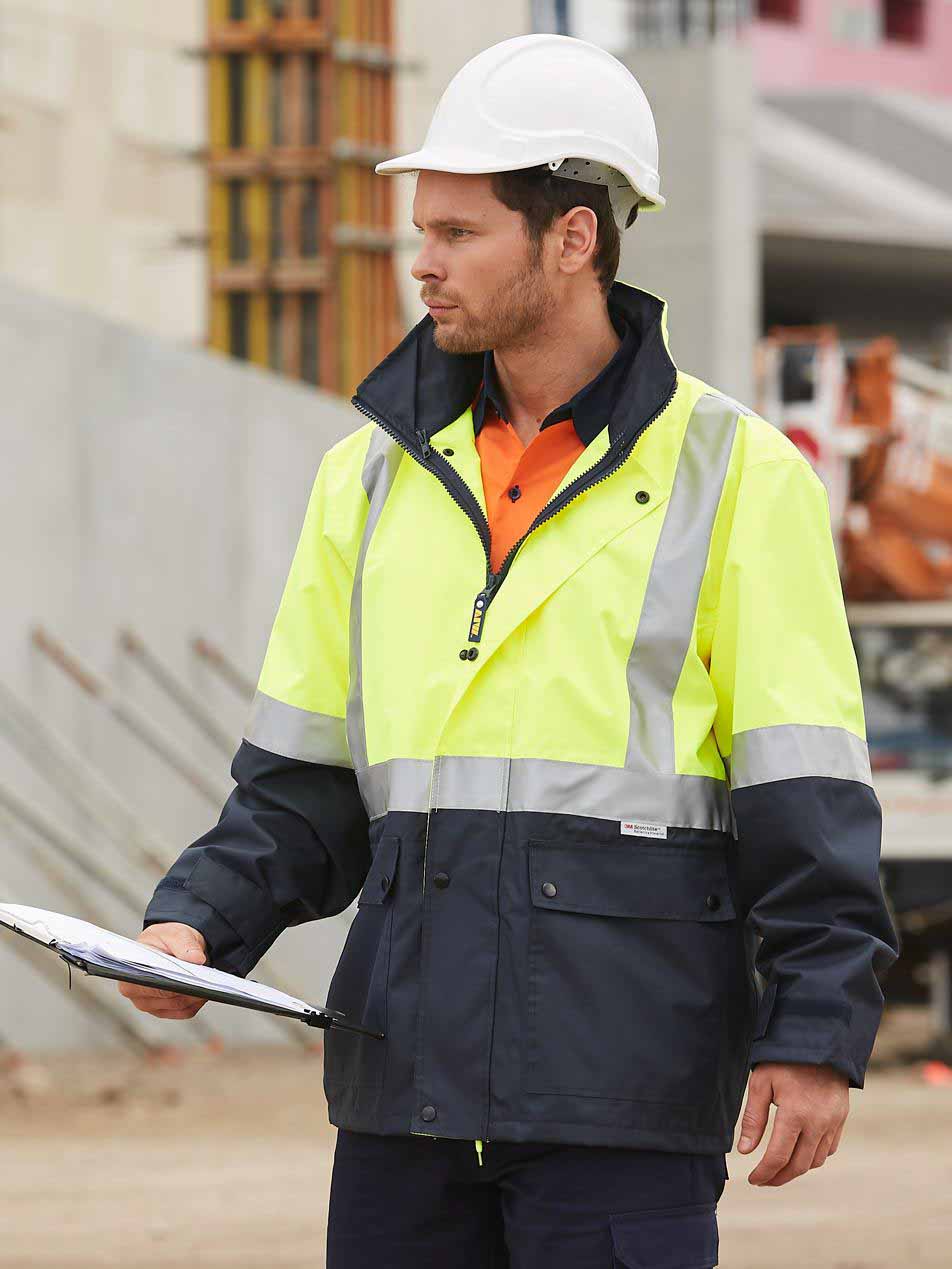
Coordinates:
384 883
448 452
428 1114
713 901
642 496
473 653
463 654
441 880
548 889
514 493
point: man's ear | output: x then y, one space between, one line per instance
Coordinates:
579 238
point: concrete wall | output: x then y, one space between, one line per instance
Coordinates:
701 251
102 111
164 489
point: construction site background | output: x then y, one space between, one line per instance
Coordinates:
191 234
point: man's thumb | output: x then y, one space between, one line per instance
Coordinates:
191 952
755 1114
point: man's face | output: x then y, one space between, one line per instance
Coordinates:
475 258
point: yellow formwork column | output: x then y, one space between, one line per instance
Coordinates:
218 322
218 222
256 102
218 101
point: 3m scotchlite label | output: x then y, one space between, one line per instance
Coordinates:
634 829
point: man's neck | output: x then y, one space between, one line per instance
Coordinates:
564 355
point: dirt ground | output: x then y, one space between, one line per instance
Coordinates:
225 1158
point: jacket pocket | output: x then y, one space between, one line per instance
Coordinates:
670 1238
633 950
360 982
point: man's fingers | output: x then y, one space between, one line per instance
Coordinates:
836 1137
822 1150
801 1160
783 1139
755 1113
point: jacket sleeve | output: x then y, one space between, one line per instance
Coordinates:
790 725
291 844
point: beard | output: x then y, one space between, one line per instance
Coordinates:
511 315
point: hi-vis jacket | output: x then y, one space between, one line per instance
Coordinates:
569 796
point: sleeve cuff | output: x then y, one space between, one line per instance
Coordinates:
815 1032
226 949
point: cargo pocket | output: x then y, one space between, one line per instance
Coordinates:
360 982
669 1238
633 953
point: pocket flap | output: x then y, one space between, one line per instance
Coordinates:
383 871
669 1238
680 883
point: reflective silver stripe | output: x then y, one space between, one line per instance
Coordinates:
666 623
790 750
377 477
541 784
296 733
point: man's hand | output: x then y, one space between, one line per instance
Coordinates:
812 1104
188 945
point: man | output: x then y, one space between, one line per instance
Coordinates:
561 688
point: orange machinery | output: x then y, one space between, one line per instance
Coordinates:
877 426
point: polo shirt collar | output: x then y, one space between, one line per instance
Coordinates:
589 408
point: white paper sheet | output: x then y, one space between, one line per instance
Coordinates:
115 951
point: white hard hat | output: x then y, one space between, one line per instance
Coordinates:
548 99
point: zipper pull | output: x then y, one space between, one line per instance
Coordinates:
424 443
479 1151
480 606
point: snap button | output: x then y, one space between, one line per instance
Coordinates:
473 653
428 1114
514 493
713 901
384 882
548 889
448 451
463 654
642 496
441 880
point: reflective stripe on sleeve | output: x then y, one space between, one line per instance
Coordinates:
296 733
790 750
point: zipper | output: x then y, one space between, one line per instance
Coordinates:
608 462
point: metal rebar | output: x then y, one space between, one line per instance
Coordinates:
176 690
132 718
235 679
54 758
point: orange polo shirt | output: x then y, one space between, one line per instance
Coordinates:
519 480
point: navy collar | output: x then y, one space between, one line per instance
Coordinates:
589 409
417 389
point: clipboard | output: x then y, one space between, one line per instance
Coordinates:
312 1016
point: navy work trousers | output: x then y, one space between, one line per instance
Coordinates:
413 1202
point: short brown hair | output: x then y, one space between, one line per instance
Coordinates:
542 196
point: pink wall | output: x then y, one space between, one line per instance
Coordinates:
808 54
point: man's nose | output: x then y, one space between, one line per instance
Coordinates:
427 265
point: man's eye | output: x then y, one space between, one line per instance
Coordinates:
461 232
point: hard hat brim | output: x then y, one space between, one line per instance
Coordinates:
431 161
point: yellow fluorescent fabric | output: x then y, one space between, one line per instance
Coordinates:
781 651
307 660
767 644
